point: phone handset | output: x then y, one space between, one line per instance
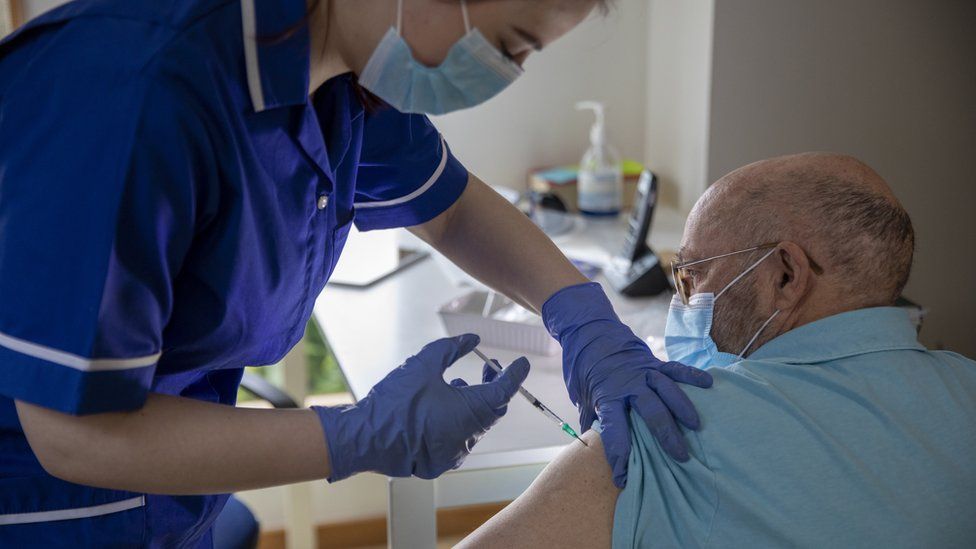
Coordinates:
637 270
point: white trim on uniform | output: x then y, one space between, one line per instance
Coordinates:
408 197
249 32
74 361
76 513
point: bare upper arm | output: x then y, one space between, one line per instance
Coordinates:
434 230
570 504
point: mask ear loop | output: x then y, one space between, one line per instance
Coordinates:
761 328
464 13
744 273
399 16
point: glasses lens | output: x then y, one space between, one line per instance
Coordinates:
681 283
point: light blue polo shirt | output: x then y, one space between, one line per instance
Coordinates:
845 432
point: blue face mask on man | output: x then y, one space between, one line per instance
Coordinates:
473 72
687 335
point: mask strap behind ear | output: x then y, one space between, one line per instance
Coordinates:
744 273
761 328
399 16
464 13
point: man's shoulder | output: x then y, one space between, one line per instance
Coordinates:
757 399
739 384
955 360
745 400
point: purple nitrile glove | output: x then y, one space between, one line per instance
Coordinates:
412 422
609 370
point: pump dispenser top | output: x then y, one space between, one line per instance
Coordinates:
600 182
598 134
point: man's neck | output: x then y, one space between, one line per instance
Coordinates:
817 307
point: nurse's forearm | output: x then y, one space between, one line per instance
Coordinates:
496 243
175 445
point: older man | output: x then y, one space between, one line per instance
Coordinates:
828 425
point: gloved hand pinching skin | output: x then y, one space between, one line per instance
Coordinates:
609 370
412 422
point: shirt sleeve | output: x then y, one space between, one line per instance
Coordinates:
407 174
96 214
665 503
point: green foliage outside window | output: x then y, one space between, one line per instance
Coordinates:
324 375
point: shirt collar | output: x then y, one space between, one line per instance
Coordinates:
842 335
277 68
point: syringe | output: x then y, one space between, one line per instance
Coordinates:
532 400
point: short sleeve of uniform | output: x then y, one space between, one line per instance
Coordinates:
407 174
96 214
665 503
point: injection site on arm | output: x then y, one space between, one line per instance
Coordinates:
570 504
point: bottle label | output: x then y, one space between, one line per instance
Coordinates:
599 192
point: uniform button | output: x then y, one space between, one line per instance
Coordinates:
322 202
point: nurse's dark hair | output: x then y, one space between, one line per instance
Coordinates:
370 101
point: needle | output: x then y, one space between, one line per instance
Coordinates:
534 401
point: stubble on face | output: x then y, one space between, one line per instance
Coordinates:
736 317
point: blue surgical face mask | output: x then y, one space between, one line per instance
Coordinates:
473 72
687 335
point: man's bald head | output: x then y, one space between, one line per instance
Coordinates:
834 206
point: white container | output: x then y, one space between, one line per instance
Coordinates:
503 323
600 181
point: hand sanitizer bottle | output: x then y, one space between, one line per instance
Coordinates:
600 180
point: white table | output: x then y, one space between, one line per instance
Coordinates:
372 330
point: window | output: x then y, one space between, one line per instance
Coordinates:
324 376
11 16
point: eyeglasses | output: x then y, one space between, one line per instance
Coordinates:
682 277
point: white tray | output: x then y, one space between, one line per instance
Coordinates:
504 323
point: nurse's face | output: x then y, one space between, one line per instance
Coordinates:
431 27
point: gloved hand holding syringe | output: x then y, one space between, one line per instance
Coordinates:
532 400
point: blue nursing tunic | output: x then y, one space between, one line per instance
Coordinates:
172 202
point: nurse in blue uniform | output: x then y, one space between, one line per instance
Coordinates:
177 180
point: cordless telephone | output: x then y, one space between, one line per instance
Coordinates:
637 271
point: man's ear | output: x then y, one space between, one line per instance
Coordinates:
794 275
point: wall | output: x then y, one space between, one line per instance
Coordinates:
534 122
33 8
679 43
892 82
363 496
